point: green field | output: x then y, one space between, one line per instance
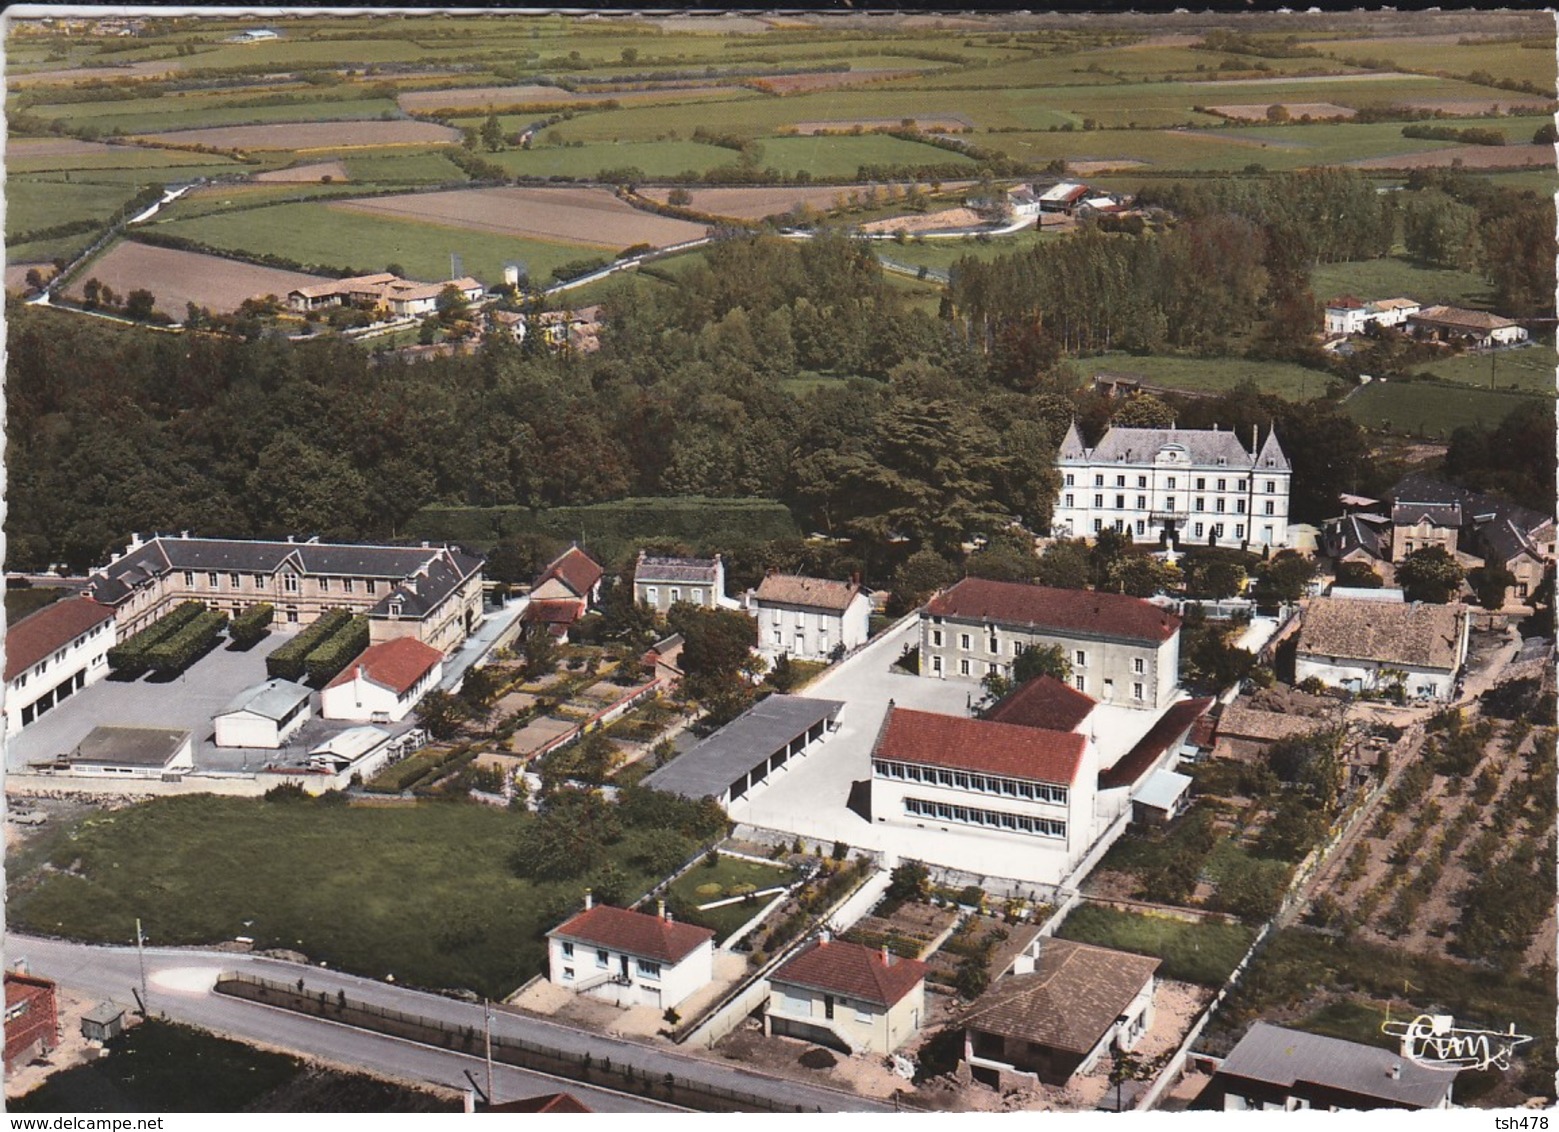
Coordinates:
140 159
1215 375
729 873
322 235
1528 370
1506 60
426 893
162 114
1417 408
1195 953
1398 276
657 159
33 205
827 157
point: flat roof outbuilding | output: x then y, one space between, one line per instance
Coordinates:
743 746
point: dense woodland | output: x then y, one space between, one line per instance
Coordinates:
924 433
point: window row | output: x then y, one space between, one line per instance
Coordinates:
213 581
967 780
674 595
991 819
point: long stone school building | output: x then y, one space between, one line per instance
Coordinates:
433 593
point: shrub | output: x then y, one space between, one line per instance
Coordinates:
335 652
174 652
288 662
250 626
130 656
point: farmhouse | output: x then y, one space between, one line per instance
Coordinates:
390 294
1348 315
52 654
1058 1013
662 582
1274 1068
563 592
127 752
630 958
384 683
265 715
1123 650
1167 485
809 618
32 1024
992 780
1063 196
848 997
1476 329
1367 646
431 592
745 753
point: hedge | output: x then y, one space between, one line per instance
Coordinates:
130 657
174 653
287 662
251 625
614 530
336 651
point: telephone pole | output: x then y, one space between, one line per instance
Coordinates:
140 952
487 1026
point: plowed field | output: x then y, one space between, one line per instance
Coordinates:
177 278
312 135
335 170
593 217
755 204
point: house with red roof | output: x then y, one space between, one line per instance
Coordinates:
571 576
384 683
54 653
1123 650
630 958
851 998
1025 785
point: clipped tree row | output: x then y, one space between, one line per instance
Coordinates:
129 657
288 662
250 626
175 652
336 651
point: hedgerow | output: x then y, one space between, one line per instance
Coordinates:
288 662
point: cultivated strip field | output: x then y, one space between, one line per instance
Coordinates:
1469 156
575 216
335 170
177 278
826 80
54 147
311 135
480 98
755 204
1258 113
930 123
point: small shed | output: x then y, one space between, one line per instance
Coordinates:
1160 797
264 715
104 1021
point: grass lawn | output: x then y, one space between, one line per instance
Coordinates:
1293 382
940 255
1529 369
426 892
701 884
1195 953
926 296
34 205
827 157
1502 60
656 159
412 168
1418 408
22 600
143 161
1394 276
319 234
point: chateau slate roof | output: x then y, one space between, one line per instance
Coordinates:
809 593
636 933
981 746
1279 1056
56 625
422 593
1070 1000
1044 702
852 970
1089 613
1417 635
1204 447
652 568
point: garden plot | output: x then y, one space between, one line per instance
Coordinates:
311 135
910 929
540 731
177 278
587 217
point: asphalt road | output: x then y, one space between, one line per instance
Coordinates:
179 986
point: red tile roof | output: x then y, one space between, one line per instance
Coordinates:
396 664
1044 702
547 1102
52 628
551 611
1088 612
980 745
637 933
1144 756
575 569
852 971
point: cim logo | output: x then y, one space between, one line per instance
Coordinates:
1432 1040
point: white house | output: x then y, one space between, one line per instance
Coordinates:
660 582
1123 650
1366 646
384 683
1478 329
852 998
1175 485
54 653
128 752
1347 315
1023 786
630 958
809 618
264 715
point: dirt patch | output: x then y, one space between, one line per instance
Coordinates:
1468 156
335 170
588 217
944 221
1252 112
928 122
177 278
311 135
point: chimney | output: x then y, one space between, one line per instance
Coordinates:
1255 434
660 909
184 534
1395 1072
887 956
823 937
20 967
589 900
670 919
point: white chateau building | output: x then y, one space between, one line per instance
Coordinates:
1195 487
